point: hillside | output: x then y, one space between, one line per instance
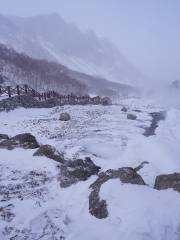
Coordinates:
42 75
50 37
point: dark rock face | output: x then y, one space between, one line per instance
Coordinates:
156 117
49 152
131 116
3 137
98 207
78 170
124 109
25 140
168 181
65 117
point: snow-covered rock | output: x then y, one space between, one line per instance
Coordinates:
49 152
64 117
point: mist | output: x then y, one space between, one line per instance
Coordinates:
89 119
146 32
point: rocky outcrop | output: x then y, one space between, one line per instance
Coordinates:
78 170
131 116
49 152
64 117
25 140
168 181
98 207
156 118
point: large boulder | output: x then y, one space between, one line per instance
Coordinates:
131 116
49 152
64 117
97 206
168 181
25 140
78 170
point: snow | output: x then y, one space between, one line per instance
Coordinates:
112 141
89 67
140 213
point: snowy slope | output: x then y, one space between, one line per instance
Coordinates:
42 75
112 141
65 43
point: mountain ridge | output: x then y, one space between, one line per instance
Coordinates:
50 37
43 75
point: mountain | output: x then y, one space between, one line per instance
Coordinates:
16 68
42 75
50 37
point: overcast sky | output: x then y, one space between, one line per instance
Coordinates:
146 31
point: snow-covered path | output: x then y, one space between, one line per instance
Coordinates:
112 141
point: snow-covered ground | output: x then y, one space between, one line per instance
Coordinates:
43 210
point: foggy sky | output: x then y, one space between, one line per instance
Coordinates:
147 32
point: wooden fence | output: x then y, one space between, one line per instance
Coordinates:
9 91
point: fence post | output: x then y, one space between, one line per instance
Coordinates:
26 88
18 92
9 91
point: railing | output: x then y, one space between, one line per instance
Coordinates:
9 91
18 90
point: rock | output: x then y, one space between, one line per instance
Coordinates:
96 100
78 170
65 117
131 116
25 140
49 152
98 207
3 137
137 110
124 109
168 181
138 168
106 101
